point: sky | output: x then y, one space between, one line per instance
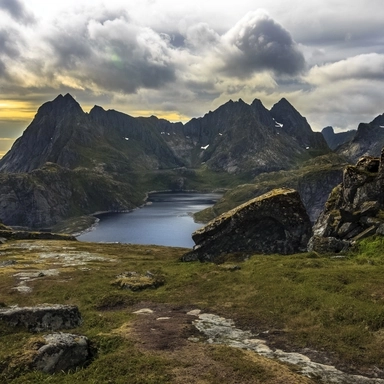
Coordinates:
180 59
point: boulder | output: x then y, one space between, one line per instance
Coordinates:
61 352
43 317
275 222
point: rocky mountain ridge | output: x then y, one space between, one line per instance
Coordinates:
235 138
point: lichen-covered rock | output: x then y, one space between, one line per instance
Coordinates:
137 282
61 352
355 207
43 317
275 222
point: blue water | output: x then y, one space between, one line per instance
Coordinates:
166 221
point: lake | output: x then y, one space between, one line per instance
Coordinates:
167 220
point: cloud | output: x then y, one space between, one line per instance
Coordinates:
8 42
258 43
111 52
200 36
367 66
17 10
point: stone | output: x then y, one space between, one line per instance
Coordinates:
62 352
327 245
143 311
275 222
43 317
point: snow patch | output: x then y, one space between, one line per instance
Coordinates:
126 138
205 147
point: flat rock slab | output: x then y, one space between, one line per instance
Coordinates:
43 317
62 352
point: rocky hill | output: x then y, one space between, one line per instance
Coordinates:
334 140
133 155
367 141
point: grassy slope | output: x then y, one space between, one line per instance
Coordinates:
332 305
311 170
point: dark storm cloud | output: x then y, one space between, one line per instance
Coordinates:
262 44
16 10
113 54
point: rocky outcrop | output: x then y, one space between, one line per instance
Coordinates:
42 318
355 208
61 352
275 222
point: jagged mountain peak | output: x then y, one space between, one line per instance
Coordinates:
61 105
284 106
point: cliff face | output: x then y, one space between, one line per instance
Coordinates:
275 222
355 207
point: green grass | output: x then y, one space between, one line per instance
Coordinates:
333 305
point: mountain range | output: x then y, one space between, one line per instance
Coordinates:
69 163
235 138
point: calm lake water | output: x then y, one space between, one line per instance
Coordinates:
167 221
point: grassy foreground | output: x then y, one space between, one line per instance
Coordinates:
331 306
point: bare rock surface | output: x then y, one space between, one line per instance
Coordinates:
43 317
62 352
220 330
275 222
354 208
